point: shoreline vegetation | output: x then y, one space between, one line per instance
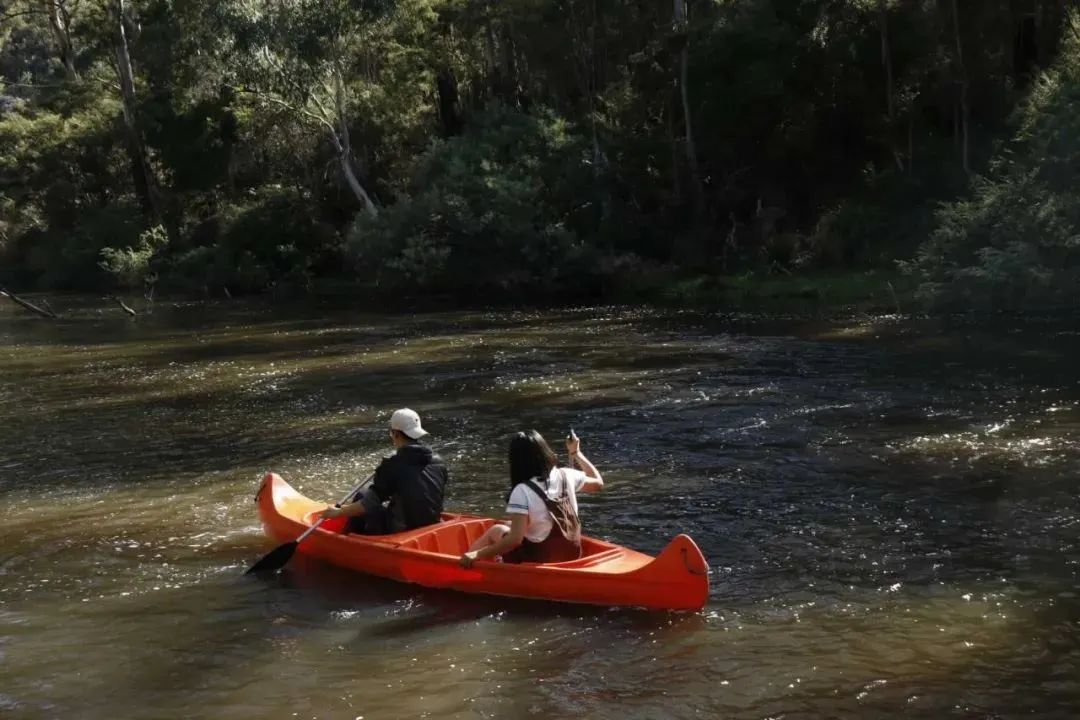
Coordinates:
906 157
860 292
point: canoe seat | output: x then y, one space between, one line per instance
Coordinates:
454 537
590 560
450 538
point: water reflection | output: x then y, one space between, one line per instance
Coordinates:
887 505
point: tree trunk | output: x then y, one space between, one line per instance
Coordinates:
491 64
229 133
591 86
499 59
965 110
343 144
355 186
142 172
676 173
449 103
910 144
684 91
1050 21
886 59
60 25
517 91
585 66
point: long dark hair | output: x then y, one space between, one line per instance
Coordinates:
530 457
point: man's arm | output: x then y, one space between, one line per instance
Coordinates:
372 497
351 510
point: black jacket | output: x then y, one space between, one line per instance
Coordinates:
413 480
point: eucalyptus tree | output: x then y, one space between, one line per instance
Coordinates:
299 56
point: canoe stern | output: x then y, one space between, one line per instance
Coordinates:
678 578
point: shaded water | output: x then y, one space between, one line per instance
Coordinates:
888 507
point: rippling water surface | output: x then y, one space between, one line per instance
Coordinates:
889 508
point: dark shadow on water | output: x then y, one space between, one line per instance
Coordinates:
160 650
90 321
190 430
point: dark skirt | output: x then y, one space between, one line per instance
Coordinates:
556 548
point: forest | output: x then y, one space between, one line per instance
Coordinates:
541 149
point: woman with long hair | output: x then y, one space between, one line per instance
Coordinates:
542 505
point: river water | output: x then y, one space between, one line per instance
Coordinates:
888 507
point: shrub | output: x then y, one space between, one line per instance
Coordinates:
490 210
130 266
271 239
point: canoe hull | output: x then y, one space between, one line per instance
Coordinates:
607 575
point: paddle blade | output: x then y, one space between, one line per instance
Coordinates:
275 559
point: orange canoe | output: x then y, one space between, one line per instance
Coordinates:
607 574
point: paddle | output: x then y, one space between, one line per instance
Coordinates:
279 556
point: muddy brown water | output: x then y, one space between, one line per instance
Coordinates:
888 507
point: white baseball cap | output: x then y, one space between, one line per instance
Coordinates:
408 422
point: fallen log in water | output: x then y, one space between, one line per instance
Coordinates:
123 306
43 312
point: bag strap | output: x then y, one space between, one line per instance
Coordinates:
552 505
541 493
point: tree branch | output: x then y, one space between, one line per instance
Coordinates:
105 82
21 13
54 4
318 103
287 105
31 86
302 92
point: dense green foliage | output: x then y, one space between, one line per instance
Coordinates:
536 147
1015 242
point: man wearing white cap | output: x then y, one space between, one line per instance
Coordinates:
408 488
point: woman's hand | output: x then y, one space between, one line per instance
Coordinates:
573 444
467 560
332 512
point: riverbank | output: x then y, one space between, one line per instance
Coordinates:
874 291
859 291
